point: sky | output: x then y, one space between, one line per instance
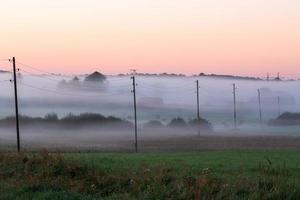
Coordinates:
249 37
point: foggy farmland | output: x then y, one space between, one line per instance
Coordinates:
159 99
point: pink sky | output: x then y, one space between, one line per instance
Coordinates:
249 37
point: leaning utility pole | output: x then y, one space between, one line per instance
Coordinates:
16 103
135 118
234 105
198 109
259 105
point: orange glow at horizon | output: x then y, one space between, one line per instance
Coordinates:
250 37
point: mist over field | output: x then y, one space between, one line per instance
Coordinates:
159 99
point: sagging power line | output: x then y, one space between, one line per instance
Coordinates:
69 94
5 80
36 69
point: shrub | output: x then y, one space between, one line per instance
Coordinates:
203 124
177 122
286 119
153 124
69 120
51 117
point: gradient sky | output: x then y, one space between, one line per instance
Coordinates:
243 37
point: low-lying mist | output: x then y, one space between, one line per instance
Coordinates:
160 99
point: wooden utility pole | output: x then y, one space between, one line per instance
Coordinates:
135 116
198 107
278 103
16 103
234 106
259 105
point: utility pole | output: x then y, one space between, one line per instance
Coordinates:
259 105
234 105
278 103
135 118
16 103
198 107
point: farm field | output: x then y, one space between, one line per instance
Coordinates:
229 174
172 141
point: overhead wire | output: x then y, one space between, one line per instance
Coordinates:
54 74
69 94
162 89
36 69
184 86
39 76
141 84
5 80
167 91
72 85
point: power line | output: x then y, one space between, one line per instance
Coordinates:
116 78
36 75
165 87
72 85
167 90
182 86
5 80
68 94
53 74
36 69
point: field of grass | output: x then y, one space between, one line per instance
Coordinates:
258 174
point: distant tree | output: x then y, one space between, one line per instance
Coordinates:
51 117
95 77
153 124
177 122
62 84
202 123
75 79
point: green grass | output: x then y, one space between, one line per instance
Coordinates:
207 175
222 162
28 192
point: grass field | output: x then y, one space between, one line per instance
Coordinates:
255 174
